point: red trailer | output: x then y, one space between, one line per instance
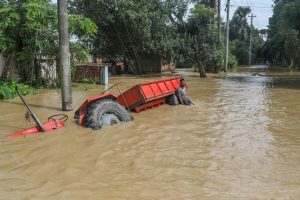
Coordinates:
143 96
108 107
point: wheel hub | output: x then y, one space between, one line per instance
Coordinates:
110 119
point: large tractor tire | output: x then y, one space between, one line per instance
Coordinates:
105 112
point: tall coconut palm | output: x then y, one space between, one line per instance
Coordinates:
239 27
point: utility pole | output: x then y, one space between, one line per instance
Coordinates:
227 35
64 56
250 45
219 22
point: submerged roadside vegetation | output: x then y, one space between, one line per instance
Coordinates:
183 33
8 91
282 47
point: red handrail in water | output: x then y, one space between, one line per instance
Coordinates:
48 126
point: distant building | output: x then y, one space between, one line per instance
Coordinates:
151 63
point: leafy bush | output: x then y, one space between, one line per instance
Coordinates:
7 89
240 50
214 59
232 61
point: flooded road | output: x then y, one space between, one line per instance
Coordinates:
241 140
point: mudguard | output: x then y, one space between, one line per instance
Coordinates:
82 109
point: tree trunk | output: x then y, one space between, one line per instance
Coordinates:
37 70
219 22
13 73
201 69
1 63
199 62
6 67
64 56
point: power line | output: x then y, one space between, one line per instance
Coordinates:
224 4
259 8
250 6
235 2
248 2
251 3
257 22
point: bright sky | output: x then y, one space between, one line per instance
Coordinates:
262 9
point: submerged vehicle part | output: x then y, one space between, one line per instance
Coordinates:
105 111
148 95
53 123
110 109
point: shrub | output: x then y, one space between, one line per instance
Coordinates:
7 89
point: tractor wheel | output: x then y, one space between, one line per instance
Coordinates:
104 112
76 115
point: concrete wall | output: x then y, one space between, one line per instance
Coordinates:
48 70
87 71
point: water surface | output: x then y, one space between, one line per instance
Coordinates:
241 140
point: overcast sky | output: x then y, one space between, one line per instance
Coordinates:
262 9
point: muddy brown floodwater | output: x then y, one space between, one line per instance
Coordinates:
241 140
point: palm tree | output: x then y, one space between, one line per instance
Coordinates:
239 27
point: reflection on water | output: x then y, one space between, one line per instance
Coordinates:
278 78
240 141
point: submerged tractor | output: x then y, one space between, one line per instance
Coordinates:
107 109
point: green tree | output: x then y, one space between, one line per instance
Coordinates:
201 31
283 43
239 34
27 26
291 14
129 29
28 34
240 50
239 27
240 37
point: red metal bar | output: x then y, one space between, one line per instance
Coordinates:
149 105
123 98
49 126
